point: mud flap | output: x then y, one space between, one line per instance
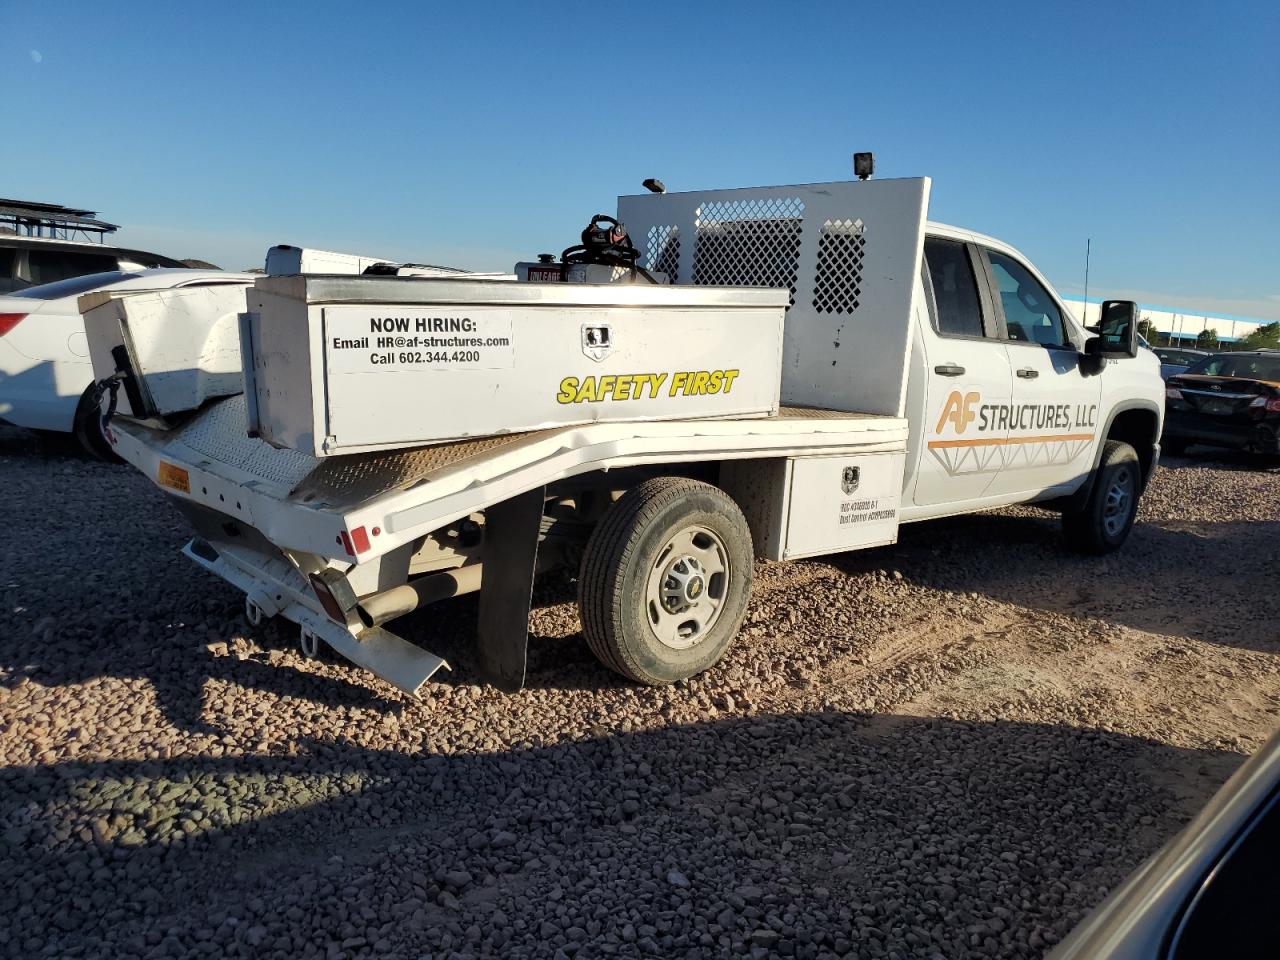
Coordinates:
511 531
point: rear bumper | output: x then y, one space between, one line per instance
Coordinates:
273 587
1221 432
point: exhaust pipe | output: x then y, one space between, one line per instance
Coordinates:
378 608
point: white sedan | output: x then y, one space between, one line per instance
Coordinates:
45 373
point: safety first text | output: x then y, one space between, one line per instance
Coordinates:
641 386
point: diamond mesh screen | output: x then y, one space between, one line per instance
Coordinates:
837 282
748 243
662 251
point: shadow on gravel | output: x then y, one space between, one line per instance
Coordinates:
1211 581
39 445
179 687
810 832
556 661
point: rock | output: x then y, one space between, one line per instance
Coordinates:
458 879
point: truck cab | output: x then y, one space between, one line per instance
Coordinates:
1004 405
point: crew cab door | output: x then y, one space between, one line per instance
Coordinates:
1052 424
967 370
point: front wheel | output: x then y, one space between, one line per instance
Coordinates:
1103 524
665 580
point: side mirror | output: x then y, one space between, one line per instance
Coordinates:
1117 332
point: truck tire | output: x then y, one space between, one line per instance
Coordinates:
87 428
1103 524
665 580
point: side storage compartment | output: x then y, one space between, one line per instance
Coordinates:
808 506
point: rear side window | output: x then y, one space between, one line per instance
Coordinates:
1177 358
955 288
50 266
1249 366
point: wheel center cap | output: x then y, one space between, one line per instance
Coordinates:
693 590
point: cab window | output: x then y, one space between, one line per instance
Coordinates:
956 312
1030 315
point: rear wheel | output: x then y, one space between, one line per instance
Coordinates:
88 430
665 580
1107 517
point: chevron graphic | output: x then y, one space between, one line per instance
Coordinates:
962 458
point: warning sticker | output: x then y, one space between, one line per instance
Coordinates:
368 339
868 511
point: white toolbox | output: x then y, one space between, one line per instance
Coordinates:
346 364
181 347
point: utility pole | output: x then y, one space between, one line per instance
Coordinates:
1088 244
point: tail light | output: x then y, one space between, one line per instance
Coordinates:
356 542
1173 393
8 321
1273 406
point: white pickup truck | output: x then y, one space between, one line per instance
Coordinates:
912 370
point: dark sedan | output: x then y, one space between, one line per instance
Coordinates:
1226 400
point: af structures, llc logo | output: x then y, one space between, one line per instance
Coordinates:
972 437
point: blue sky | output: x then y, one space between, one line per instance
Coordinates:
478 134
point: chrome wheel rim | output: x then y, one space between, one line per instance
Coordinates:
686 587
1119 502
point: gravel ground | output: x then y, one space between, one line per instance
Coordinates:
951 748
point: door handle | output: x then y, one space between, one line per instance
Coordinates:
1027 373
948 370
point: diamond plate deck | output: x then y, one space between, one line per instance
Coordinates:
220 432
816 413
358 477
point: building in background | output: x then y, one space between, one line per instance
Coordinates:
53 221
1174 326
